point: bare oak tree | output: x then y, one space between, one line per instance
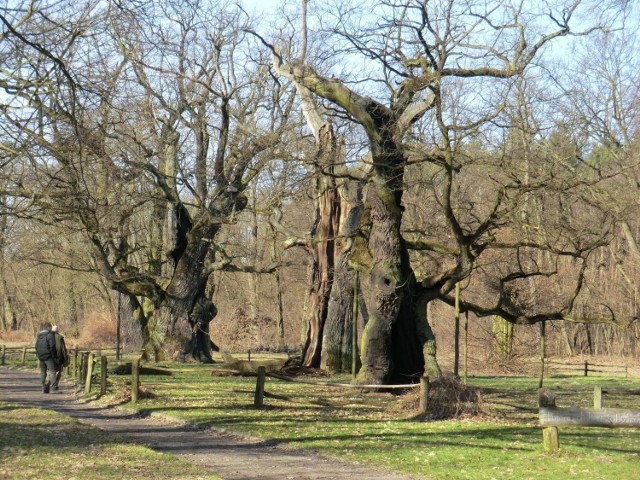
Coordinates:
142 128
435 74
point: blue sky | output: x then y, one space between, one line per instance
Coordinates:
261 5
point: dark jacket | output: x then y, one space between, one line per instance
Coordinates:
61 350
46 345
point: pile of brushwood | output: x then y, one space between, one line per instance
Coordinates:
448 398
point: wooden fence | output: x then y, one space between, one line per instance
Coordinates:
586 368
19 352
22 353
83 368
83 365
553 417
86 377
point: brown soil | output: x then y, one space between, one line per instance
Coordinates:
230 456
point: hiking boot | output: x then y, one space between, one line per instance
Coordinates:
45 389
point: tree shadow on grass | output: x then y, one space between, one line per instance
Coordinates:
25 427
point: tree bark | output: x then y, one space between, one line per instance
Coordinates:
278 285
322 254
503 331
394 336
337 342
338 337
392 343
200 344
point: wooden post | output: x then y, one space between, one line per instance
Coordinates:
103 375
258 399
550 439
466 347
424 395
456 333
75 362
543 352
586 369
87 382
4 351
118 324
249 355
24 355
354 326
135 379
80 370
597 396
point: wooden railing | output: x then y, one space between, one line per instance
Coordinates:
552 417
20 352
585 368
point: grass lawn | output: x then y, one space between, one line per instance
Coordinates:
42 444
383 429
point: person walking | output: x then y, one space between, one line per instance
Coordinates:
46 353
62 356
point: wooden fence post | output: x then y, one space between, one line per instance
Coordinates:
4 351
135 379
103 375
354 325
258 399
586 369
90 363
550 439
24 355
424 395
75 362
543 351
79 370
597 396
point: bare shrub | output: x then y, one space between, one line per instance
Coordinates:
514 365
98 330
16 336
243 332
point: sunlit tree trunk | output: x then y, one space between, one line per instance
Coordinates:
322 249
392 345
278 286
503 333
338 351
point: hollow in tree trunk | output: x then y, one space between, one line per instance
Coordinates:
392 343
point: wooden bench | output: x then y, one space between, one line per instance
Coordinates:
553 417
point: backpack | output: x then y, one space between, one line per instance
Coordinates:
42 346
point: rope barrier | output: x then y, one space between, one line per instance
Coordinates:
348 385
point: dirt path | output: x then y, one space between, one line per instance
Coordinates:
230 457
